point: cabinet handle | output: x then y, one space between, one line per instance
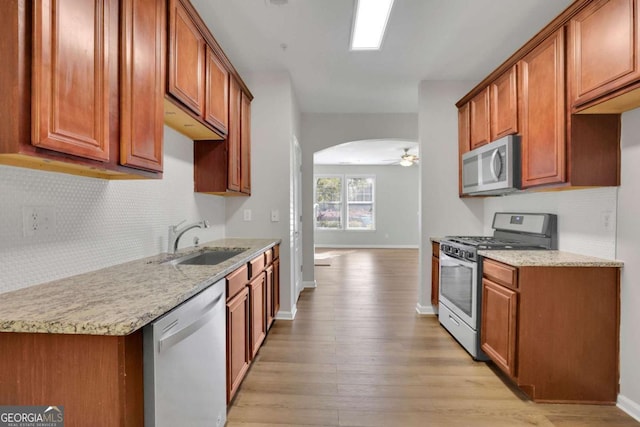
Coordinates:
454 320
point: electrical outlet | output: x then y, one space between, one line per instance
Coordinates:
38 220
275 215
247 214
608 221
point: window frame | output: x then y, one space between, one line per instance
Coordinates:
344 208
372 202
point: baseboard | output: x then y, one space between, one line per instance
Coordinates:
309 284
629 406
325 246
287 315
425 310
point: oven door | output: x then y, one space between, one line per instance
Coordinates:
459 288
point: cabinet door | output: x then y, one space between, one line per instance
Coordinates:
498 325
603 50
541 79
217 92
233 139
479 119
276 285
435 280
70 91
464 140
504 105
238 356
245 144
269 296
257 296
186 59
142 78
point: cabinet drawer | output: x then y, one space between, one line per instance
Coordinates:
268 257
236 281
257 265
500 273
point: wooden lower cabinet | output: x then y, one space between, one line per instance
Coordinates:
276 286
252 301
269 296
555 331
98 379
258 316
238 351
499 311
435 273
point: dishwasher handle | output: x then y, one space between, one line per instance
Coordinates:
170 340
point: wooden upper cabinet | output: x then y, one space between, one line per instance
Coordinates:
186 59
245 144
479 119
504 105
142 123
603 49
233 138
543 118
217 92
70 87
464 142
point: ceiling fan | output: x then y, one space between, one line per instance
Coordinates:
408 159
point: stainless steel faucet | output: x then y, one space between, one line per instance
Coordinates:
175 233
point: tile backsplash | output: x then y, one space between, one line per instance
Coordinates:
99 223
586 218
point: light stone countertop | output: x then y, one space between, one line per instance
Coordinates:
435 239
121 299
547 259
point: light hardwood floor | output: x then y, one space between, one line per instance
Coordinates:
358 355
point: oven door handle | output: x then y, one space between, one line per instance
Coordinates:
451 261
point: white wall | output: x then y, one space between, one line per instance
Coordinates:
396 208
628 250
272 127
581 214
320 131
99 223
442 211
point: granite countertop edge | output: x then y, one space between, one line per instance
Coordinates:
121 299
545 258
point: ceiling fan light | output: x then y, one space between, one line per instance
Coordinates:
406 162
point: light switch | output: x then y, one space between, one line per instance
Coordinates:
247 214
275 215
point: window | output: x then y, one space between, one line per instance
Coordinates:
360 203
336 201
329 202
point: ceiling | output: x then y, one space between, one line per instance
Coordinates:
425 40
369 152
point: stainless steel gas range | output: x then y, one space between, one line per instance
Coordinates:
460 293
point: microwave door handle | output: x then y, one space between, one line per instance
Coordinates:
492 167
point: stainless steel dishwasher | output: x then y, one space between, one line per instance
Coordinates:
185 363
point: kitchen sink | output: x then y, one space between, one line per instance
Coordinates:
209 256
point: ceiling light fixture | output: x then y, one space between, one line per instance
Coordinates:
406 162
369 23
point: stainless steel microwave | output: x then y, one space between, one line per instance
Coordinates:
493 168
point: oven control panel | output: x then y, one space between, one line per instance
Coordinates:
457 251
